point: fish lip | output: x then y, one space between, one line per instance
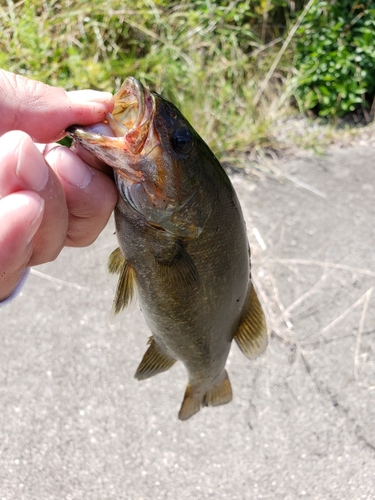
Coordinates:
130 121
81 134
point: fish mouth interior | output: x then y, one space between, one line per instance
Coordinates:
128 126
129 107
132 115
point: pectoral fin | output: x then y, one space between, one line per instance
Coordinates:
125 286
153 362
194 398
251 335
179 270
116 261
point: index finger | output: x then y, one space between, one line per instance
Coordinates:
44 112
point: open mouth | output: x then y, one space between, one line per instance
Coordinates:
128 126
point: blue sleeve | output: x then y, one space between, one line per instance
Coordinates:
23 278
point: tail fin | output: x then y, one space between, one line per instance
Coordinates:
194 399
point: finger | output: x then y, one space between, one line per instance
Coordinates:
44 112
20 217
82 153
90 196
91 160
24 168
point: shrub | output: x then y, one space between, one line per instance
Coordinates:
335 57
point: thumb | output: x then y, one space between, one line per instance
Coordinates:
44 112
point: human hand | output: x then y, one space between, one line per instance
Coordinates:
49 196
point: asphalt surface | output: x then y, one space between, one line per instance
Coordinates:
75 424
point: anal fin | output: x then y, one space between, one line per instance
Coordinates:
125 286
251 335
153 362
194 399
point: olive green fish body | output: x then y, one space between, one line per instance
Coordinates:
191 290
183 244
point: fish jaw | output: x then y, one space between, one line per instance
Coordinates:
135 141
128 142
111 150
124 134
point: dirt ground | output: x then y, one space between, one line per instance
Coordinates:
76 425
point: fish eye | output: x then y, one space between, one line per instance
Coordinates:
181 141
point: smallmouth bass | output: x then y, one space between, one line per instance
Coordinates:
182 243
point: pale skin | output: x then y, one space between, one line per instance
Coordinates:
50 196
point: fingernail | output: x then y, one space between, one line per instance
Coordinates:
68 166
31 167
12 205
82 96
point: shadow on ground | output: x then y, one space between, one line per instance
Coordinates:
75 424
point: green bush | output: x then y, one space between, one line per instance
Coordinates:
335 57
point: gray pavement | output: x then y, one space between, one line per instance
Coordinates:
75 424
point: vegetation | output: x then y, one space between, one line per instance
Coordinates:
335 57
229 65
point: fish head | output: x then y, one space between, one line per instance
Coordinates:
156 157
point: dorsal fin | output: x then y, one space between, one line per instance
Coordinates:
251 335
125 286
153 362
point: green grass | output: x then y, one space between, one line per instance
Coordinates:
209 58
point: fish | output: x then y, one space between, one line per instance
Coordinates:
183 243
